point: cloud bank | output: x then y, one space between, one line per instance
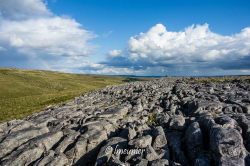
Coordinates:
32 36
195 50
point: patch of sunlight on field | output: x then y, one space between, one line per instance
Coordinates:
24 92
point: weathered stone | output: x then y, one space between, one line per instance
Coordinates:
32 150
194 141
118 111
227 122
77 151
227 143
69 139
164 153
131 133
17 138
141 142
52 159
177 122
232 161
160 162
114 161
151 154
112 146
194 123
176 146
224 142
245 125
160 138
163 118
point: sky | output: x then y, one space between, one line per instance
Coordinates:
127 37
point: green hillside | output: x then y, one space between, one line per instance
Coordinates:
23 92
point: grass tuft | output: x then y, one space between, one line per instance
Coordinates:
152 120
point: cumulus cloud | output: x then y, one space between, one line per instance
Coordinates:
196 48
53 36
23 9
40 39
194 44
114 53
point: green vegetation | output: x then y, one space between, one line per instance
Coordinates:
132 79
152 120
125 116
225 79
23 92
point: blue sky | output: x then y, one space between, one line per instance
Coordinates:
125 18
141 37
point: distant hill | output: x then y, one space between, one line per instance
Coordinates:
24 92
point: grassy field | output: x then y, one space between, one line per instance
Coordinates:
23 92
224 79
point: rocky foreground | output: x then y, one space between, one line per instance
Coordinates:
170 121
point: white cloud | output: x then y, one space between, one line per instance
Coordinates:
194 51
52 36
195 43
245 71
23 9
113 71
29 30
114 53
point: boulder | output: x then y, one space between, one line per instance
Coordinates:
177 122
141 142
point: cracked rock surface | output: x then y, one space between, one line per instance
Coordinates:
173 121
